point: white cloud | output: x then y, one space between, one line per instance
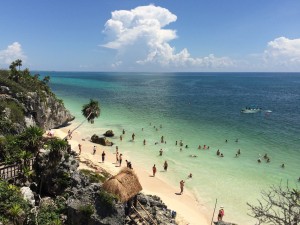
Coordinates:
11 53
140 37
283 52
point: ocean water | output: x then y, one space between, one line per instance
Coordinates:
199 109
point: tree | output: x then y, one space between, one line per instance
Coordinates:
32 139
18 63
56 147
280 206
46 79
90 111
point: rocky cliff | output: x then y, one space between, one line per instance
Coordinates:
32 109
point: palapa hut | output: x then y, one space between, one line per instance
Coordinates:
125 185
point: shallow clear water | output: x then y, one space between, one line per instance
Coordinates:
198 108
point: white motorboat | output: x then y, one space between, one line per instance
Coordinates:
250 110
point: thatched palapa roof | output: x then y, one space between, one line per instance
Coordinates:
124 185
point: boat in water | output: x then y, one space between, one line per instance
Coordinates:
251 110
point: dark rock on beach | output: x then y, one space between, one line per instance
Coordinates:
101 140
109 133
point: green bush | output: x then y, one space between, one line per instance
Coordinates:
93 177
87 210
11 202
107 200
48 215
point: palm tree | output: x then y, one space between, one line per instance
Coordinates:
46 79
90 111
56 147
15 213
18 63
33 139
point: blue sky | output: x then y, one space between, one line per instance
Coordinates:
140 35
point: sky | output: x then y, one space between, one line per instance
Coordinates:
151 36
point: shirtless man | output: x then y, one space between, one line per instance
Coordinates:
181 186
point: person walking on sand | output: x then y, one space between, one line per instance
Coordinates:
94 150
154 170
79 147
69 134
181 186
120 160
103 156
166 166
117 156
221 213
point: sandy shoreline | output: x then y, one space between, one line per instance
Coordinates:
188 209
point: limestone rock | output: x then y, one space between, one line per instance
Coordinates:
101 140
109 133
28 195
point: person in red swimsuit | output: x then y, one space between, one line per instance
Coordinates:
221 213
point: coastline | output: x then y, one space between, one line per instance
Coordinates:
189 210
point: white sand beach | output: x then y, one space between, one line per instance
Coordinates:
189 210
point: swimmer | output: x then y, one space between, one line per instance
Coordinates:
186 146
199 147
266 156
259 160
268 160
193 156
236 155
222 155
181 144
218 152
237 140
226 141
160 152
190 175
204 146
207 147
181 149
239 152
282 166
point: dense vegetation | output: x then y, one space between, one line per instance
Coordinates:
15 84
50 177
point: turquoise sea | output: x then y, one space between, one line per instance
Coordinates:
199 109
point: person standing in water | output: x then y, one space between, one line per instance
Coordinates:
166 166
221 214
160 152
133 135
